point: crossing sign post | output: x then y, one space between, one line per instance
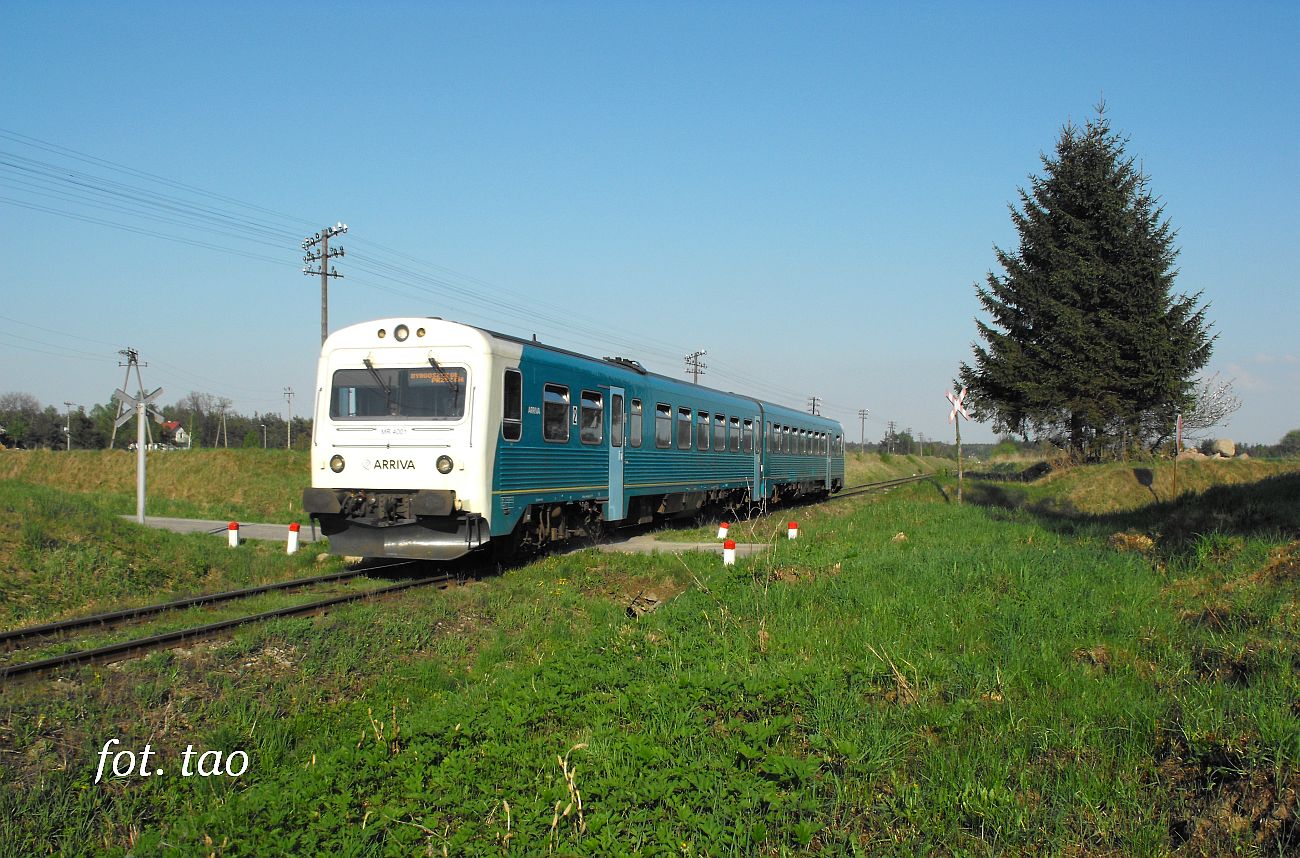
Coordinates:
141 404
954 417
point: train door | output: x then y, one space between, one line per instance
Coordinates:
614 509
826 444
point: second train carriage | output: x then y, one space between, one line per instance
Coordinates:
432 439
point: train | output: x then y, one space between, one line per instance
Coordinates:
434 439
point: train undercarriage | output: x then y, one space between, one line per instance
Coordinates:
426 525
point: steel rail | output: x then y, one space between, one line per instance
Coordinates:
113 617
854 491
109 652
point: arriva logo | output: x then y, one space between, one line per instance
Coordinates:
394 464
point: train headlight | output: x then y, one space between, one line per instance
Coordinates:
445 464
419 332
336 464
401 332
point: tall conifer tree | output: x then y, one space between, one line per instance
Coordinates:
1087 344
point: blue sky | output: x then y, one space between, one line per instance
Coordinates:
808 191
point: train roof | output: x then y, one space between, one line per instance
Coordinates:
616 364
630 365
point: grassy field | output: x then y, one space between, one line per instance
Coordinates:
257 485
246 485
1033 673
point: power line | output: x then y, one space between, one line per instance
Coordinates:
151 197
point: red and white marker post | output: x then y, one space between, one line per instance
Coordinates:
792 531
722 530
729 553
232 534
292 545
954 417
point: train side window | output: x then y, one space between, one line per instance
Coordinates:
555 413
635 427
592 418
683 428
747 437
783 441
734 435
663 425
616 419
512 411
702 431
767 436
719 432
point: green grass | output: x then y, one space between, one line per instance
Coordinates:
245 485
909 676
66 554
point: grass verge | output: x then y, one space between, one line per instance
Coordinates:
909 676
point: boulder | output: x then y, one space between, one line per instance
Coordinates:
1223 447
1190 454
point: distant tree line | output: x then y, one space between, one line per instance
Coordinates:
207 420
1287 447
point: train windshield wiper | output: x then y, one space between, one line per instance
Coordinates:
388 391
453 383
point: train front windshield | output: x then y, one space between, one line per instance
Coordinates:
417 393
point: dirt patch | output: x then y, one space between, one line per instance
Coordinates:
804 574
1098 656
1219 616
1220 803
1135 542
1233 667
1283 565
640 594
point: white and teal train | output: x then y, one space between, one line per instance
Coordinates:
433 439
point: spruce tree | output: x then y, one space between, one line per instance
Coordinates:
1087 345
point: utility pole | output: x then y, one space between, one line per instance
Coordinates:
694 368
139 408
67 425
813 402
263 436
222 404
890 436
288 424
132 362
862 431
323 257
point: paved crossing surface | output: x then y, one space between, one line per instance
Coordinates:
250 530
643 544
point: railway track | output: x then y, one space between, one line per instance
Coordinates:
867 488
122 649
